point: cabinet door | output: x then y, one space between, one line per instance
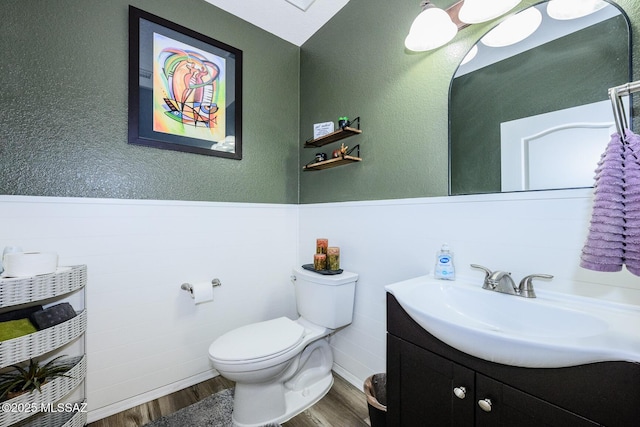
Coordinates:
499 405
421 385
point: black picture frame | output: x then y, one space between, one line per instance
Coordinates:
185 89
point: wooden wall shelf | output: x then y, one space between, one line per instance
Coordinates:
331 163
341 133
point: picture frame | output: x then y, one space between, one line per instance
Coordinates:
185 89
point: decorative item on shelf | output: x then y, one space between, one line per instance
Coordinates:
343 122
322 129
340 152
320 261
326 260
321 246
26 380
321 157
333 258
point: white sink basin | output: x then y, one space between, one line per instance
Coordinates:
551 331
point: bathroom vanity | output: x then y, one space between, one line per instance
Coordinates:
430 383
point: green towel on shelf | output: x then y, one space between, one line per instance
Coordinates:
16 328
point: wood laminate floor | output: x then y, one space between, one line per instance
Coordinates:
343 406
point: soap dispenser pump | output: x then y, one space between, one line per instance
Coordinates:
444 264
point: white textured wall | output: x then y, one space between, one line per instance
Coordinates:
145 336
390 241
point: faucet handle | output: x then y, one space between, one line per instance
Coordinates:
486 270
525 288
487 273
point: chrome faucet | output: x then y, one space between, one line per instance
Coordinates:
501 281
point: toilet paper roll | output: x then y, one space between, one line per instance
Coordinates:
202 292
23 264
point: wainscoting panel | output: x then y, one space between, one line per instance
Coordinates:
144 333
394 240
145 336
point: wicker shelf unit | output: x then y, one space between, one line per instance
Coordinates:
43 406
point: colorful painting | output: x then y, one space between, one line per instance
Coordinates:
185 89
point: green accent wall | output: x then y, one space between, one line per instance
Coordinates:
63 112
356 65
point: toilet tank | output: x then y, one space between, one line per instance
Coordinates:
325 300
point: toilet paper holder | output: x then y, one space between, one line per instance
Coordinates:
189 288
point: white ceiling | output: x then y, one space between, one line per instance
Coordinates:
282 18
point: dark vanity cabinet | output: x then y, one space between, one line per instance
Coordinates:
432 384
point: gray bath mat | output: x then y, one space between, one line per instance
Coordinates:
212 411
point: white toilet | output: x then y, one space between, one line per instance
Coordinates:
281 366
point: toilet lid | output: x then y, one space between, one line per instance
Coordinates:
257 340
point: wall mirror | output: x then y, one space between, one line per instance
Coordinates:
535 115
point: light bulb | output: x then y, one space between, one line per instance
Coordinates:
476 11
431 29
573 9
514 29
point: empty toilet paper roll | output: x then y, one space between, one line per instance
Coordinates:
202 292
22 264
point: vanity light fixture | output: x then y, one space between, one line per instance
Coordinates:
514 29
573 9
435 27
431 29
477 11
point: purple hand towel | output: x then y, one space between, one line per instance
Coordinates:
604 248
607 228
609 212
610 268
617 220
607 237
606 253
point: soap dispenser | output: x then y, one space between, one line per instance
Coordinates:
444 264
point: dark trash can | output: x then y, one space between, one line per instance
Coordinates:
375 388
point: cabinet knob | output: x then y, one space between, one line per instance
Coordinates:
460 392
485 405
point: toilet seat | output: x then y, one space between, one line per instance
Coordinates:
257 342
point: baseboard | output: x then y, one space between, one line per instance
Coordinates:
123 405
348 376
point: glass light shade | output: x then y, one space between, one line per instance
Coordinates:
514 29
573 9
430 30
470 55
476 11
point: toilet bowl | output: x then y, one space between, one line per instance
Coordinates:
282 366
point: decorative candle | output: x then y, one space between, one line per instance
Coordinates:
333 258
321 246
320 262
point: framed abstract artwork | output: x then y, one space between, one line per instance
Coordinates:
185 89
